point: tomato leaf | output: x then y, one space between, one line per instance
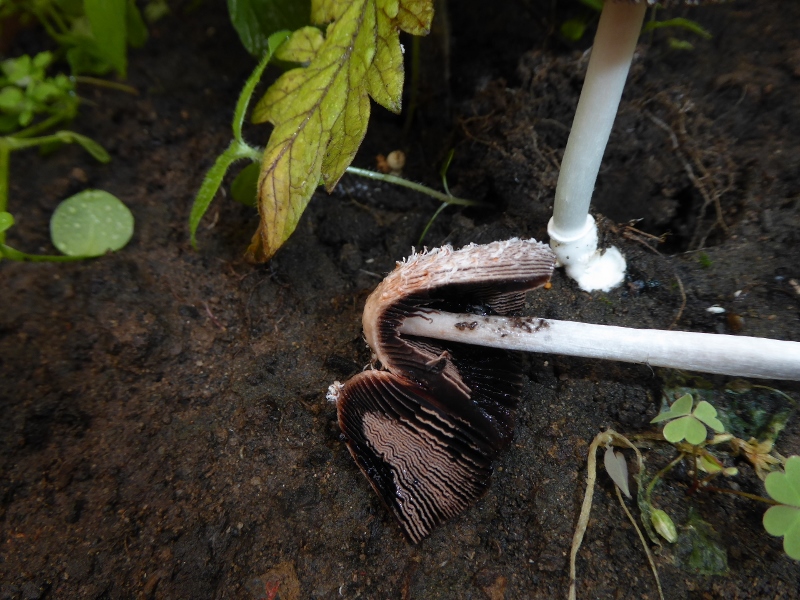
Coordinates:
320 111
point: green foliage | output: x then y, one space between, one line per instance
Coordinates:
256 20
26 91
94 33
784 519
320 111
244 188
688 424
90 224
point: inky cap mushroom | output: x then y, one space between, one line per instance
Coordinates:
426 429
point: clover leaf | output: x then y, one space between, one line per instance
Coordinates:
687 424
784 519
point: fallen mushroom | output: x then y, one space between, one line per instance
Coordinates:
426 428
572 230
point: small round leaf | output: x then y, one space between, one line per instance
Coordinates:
91 223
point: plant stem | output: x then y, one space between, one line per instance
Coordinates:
5 161
41 126
12 254
417 187
739 356
114 85
755 497
658 476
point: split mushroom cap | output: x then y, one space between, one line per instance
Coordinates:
426 430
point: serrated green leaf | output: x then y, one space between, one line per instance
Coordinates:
91 223
785 487
320 112
302 46
109 30
707 414
681 407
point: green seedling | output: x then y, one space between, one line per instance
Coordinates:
100 221
94 35
689 424
27 92
784 519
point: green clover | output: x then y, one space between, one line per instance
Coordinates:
687 424
784 519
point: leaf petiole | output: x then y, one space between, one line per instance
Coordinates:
417 187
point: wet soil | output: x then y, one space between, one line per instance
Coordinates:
163 425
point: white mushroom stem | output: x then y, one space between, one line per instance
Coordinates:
573 232
705 352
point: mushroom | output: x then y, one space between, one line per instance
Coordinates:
572 230
426 428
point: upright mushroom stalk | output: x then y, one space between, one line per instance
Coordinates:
573 232
426 428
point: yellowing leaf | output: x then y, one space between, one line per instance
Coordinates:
415 16
320 111
302 46
325 11
385 75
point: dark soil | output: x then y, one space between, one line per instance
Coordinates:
163 426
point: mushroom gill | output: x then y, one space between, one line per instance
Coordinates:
426 428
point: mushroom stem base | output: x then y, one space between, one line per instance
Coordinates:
588 266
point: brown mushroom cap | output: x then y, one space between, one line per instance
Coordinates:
426 430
